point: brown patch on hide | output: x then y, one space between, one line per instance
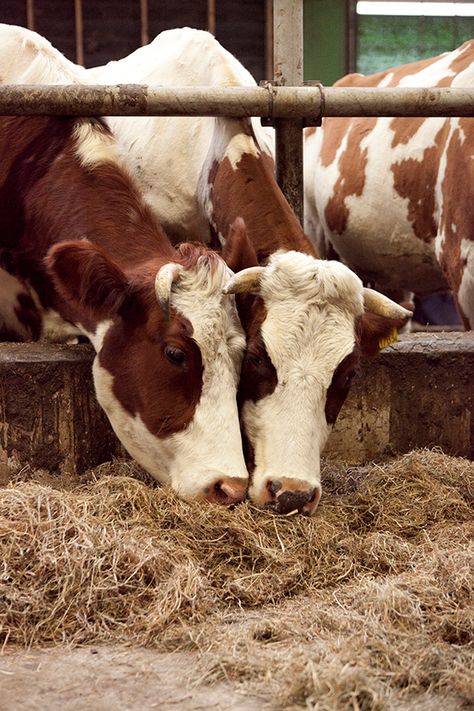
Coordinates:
404 129
351 180
457 211
416 181
250 191
340 385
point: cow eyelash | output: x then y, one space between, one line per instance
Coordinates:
175 355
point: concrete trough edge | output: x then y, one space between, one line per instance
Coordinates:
416 393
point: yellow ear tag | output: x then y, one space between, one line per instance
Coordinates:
391 338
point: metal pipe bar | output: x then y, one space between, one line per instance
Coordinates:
273 102
288 42
288 71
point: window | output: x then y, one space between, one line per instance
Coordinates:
393 33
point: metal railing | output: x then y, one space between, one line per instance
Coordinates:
306 102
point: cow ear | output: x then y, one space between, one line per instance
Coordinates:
238 251
377 332
86 277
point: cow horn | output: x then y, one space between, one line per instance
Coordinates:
165 277
378 303
246 281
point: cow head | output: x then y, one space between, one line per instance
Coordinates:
169 347
307 322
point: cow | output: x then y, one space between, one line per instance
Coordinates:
307 321
78 243
393 196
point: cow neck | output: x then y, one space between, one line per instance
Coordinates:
248 189
61 198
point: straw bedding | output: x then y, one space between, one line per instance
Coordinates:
364 606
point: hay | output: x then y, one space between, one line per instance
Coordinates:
368 602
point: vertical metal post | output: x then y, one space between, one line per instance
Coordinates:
288 67
79 32
30 14
269 40
351 24
211 16
144 33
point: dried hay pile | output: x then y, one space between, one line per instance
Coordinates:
366 605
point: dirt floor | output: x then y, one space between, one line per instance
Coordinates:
103 678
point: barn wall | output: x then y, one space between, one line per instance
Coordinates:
112 27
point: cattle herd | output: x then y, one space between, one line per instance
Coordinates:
225 346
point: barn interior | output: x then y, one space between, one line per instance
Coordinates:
116 594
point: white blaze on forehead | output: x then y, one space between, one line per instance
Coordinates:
311 309
210 447
198 295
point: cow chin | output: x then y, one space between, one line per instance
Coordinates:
175 459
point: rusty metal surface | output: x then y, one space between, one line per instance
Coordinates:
289 162
288 42
288 71
271 101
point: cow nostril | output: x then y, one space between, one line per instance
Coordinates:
301 501
273 487
219 494
227 492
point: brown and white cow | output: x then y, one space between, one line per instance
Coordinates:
304 318
393 196
78 242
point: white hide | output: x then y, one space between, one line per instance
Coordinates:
28 58
288 427
167 154
209 449
379 241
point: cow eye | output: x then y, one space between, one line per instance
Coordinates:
175 355
255 360
349 377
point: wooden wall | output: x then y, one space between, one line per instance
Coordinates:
112 29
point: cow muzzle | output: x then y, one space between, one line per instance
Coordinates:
285 495
228 491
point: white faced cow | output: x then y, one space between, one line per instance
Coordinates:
77 240
306 320
393 196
